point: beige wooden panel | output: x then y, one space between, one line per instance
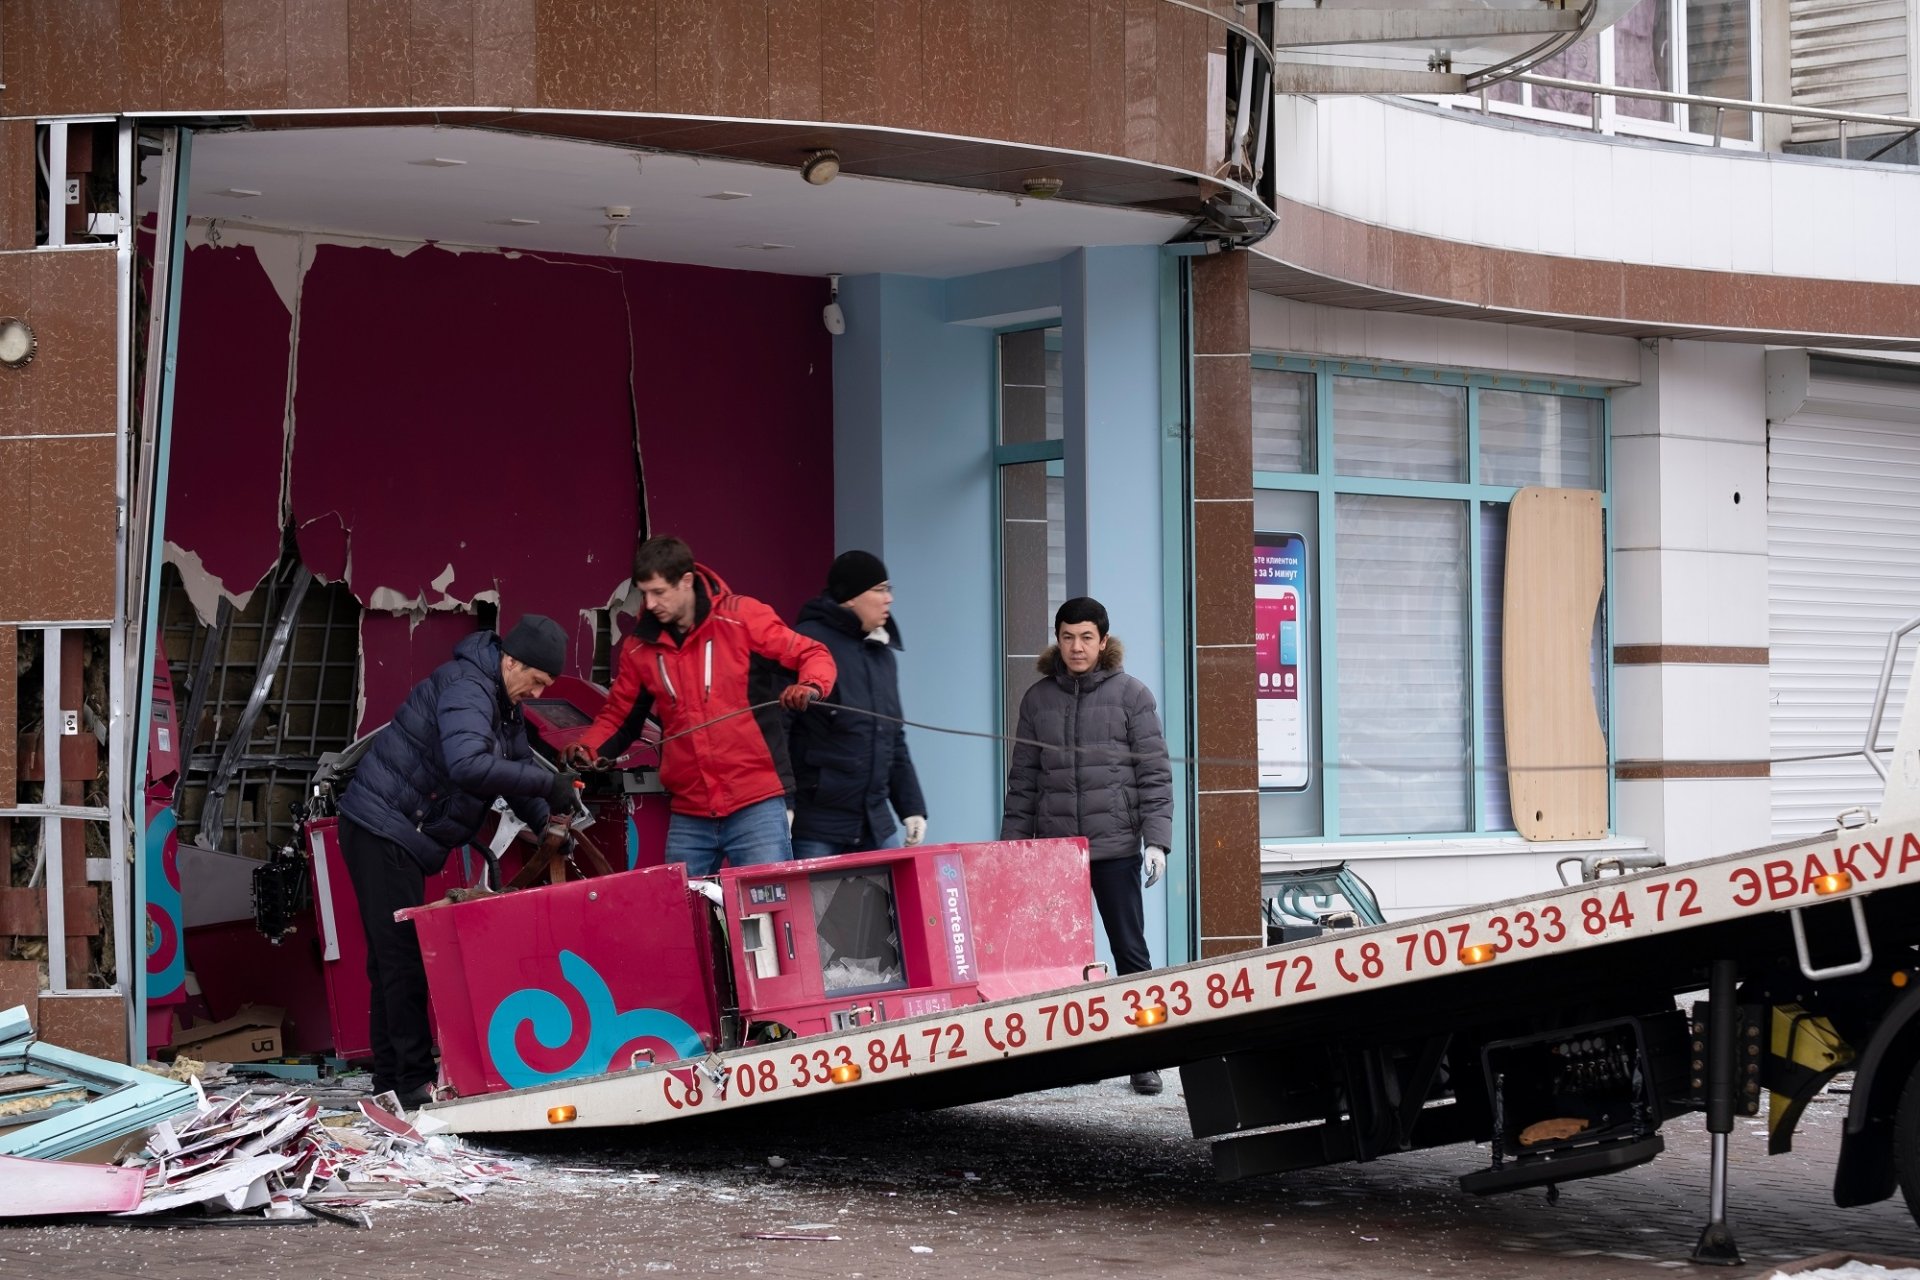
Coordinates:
1556 752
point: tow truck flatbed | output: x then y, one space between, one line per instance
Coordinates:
1548 1027
1654 932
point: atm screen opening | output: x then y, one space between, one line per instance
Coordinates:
858 931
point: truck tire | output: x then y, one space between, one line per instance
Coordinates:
1906 1143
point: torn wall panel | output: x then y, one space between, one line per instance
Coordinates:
397 651
470 412
229 441
733 373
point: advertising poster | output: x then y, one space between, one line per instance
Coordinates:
1279 611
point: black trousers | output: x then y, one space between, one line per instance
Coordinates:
385 879
1116 891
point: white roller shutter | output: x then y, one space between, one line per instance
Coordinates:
1843 518
1848 55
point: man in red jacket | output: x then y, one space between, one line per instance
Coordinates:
687 664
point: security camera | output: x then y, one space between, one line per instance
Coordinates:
619 212
831 315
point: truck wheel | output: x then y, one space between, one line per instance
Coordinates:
1906 1143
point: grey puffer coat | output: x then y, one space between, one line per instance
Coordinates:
1116 789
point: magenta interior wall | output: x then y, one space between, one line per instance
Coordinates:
229 411
482 410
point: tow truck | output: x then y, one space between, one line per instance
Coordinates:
1553 1030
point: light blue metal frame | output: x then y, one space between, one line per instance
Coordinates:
155 552
1176 611
122 1100
1326 486
1053 452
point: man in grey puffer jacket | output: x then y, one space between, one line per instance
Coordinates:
1103 774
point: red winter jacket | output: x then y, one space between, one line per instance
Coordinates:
694 679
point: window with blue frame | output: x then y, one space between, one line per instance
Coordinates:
1380 508
1030 496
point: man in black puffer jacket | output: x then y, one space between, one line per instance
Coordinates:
1103 773
422 790
851 771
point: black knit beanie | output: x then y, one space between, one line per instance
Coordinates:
853 573
538 642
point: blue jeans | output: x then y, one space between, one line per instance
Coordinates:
803 849
746 837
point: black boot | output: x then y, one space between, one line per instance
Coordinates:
1147 1082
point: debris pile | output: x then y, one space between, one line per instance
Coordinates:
285 1156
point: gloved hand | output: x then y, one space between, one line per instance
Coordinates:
579 755
798 697
916 830
789 820
560 802
1156 865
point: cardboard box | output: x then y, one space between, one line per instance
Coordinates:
251 1035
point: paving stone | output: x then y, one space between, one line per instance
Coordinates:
1081 1182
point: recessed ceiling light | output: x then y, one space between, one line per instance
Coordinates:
439 162
977 222
765 245
729 195
821 167
523 222
238 193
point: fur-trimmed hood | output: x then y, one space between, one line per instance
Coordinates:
1048 663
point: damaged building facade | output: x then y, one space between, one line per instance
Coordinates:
351 329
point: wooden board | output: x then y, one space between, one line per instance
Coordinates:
1556 752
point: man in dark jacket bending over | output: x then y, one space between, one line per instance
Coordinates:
422 790
851 770
1103 774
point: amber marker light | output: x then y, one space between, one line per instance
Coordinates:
1836 882
1478 953
1149 1015
846 1073
1901 977
561 1115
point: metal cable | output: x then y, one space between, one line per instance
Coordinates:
1112 753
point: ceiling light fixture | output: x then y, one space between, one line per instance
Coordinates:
766 244
977 222
821 167
239 193
438 162
729 195
523 222
17 343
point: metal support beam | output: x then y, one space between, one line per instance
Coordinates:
1301 28
54 874
57 184
1313 77
269 667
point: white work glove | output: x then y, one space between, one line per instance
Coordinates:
1156 864
916 829
708 889
789 822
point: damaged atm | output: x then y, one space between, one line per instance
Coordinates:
554 962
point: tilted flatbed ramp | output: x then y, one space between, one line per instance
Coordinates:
1652 934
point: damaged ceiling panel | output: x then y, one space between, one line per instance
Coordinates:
229 427
463 429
